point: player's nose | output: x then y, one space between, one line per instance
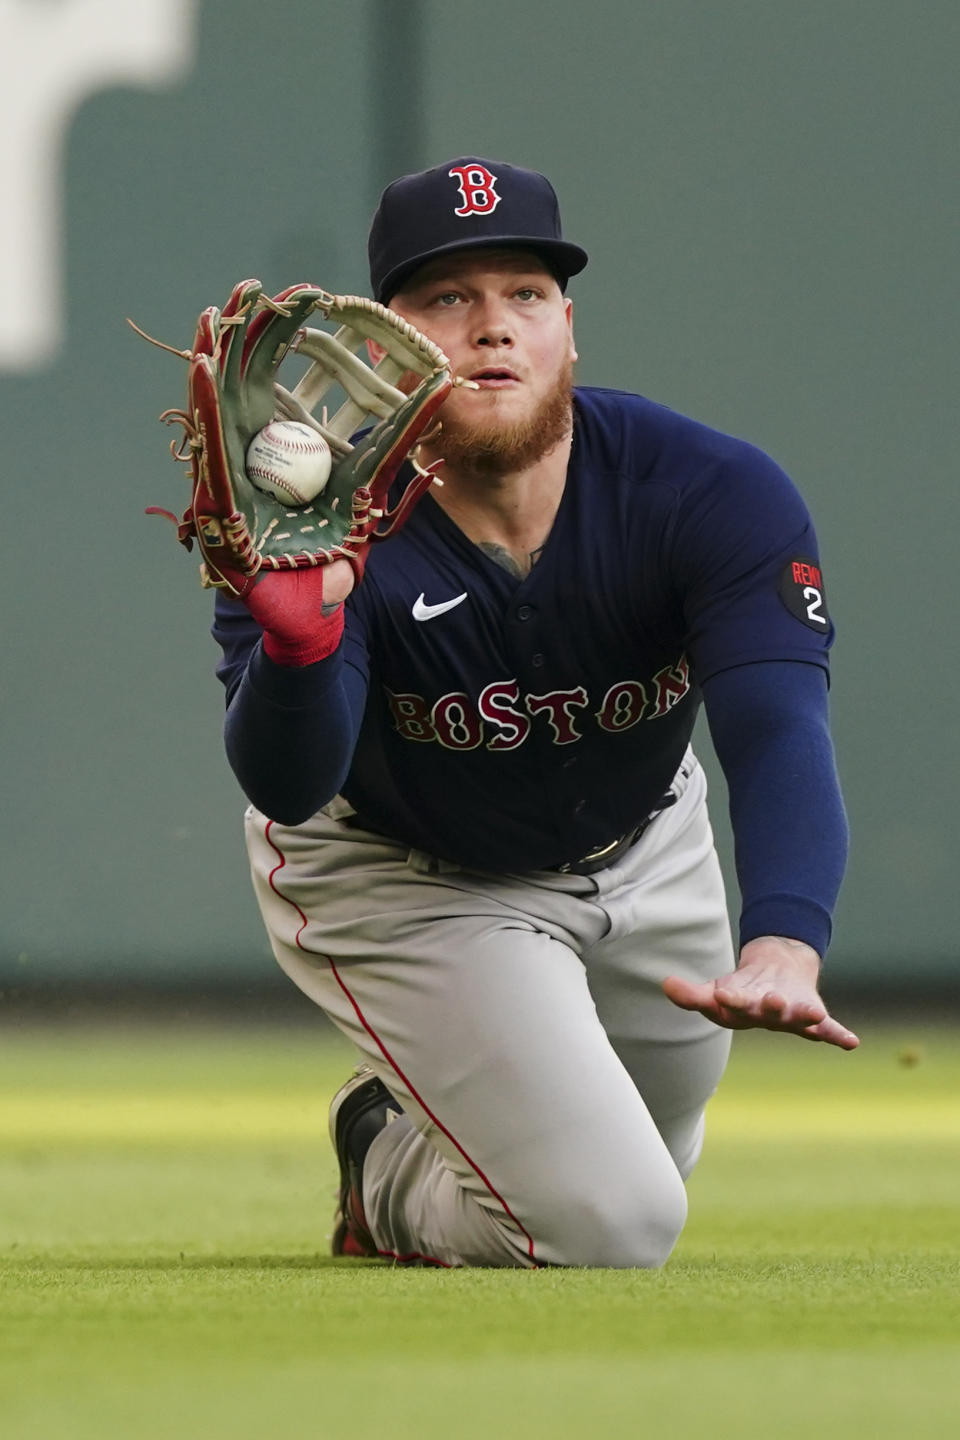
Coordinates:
496 336
492 325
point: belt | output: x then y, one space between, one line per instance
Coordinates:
605 855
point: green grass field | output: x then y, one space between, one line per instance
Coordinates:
166 1197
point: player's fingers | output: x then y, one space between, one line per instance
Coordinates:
729 1019
831 1032
800 1014
702 998
685 993
689 996
773 1008
762 1005
772 1003
739 1008
338 581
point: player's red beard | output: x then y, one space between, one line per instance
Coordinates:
491 448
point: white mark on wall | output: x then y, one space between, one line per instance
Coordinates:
56 55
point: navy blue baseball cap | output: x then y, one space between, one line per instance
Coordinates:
460 205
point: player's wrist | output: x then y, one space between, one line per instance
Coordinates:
781 950
318 642
300 623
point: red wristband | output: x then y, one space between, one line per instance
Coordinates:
324 638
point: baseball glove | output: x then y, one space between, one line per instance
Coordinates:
233 392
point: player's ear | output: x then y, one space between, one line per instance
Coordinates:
568 311
375 351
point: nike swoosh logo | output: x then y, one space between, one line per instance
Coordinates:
423 611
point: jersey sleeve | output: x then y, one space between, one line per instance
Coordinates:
290 732
747 569
770 728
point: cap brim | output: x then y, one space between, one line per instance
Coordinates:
568 259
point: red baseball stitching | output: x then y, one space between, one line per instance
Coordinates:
290 439
257 472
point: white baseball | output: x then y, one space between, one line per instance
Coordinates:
290 461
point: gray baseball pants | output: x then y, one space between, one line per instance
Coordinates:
554 1098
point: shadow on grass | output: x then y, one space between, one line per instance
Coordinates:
201 1262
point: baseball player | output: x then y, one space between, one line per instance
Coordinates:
477 832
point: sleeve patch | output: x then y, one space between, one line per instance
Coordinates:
801 590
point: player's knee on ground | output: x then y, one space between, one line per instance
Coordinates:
618 1227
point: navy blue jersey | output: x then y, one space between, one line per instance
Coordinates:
512 724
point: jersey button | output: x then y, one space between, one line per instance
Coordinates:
524 612
537 660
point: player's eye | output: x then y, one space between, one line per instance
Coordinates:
527 293
446 299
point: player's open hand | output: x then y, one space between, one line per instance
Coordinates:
773 988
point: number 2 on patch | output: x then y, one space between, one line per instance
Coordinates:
814 601
801 590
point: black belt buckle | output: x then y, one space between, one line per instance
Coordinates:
606 855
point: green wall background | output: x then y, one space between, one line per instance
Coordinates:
769 194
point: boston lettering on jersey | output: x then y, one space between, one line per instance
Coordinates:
661 571
502 718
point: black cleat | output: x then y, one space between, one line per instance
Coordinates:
358 1112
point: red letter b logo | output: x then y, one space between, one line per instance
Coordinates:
476 189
